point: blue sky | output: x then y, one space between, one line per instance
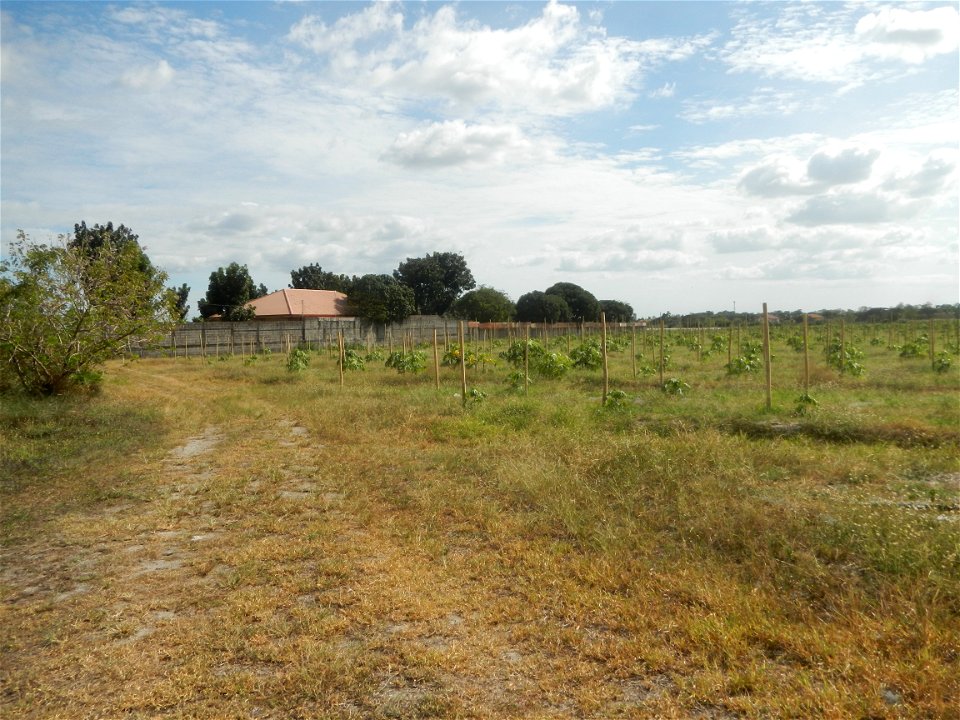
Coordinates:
677 156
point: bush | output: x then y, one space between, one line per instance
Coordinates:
298 360
587 355
407 362
65 311
514 353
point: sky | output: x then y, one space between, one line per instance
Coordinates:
678 156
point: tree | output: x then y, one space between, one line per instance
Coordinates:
584 307
381 299
92 241
314 277
436 279
180 297
537 306
484 305
230 290
616 311
64 312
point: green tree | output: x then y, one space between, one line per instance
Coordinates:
314 277
436 279
230 290
65 311
484 305
616 311
92 241
537 306
584 307
180 298
381 299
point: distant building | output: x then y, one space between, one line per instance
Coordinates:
294 304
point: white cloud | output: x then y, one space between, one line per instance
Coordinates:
667 90
847 165
457 143
764 101
927 180
910 36
777 177
852 208
829 44
552 65
150 77
739 240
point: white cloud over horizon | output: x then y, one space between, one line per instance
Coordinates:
667 159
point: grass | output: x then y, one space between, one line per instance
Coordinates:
229 539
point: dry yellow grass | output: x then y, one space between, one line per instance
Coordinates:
261 545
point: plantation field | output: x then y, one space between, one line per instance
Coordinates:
228 538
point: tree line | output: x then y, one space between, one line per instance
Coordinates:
439 283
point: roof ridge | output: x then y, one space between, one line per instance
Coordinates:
286 299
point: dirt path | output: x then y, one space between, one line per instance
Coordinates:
268 571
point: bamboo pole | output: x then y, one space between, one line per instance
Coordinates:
603 350
661 352
843 345
526 360
806 358
633 349
463 368
766 356
340 360
436 358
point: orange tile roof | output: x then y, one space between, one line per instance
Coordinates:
293 303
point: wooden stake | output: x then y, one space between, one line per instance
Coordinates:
661 352
806 358
463 368
843 345
526 359
340 362
633 348
603 349
766 356
436 358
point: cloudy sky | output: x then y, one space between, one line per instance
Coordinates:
677 156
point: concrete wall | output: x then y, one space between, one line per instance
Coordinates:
227 338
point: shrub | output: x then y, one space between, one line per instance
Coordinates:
553 365
587 355
407 362
514 353
298 360
353 360
675 386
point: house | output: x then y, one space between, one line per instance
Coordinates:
295 304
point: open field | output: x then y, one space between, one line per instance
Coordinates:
227 539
